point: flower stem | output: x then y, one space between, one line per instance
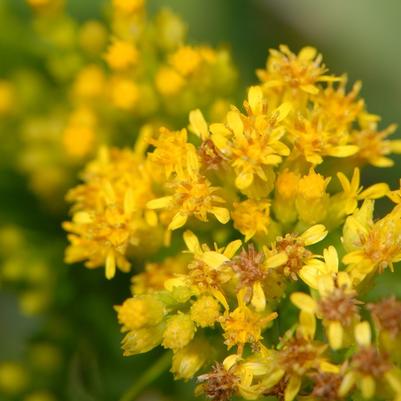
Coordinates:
148 377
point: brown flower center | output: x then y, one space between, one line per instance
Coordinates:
326 386
211 157
249 266
296 252
387 315
298 355
340 306
370 361
219 384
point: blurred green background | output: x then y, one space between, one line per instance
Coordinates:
359 37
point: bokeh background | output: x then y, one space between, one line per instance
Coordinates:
72 348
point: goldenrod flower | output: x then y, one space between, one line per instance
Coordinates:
285 70
369 365
121 55
252 142
372 246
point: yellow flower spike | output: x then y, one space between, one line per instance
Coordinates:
293 387
368 387
363 334
335 335
304 302
198 124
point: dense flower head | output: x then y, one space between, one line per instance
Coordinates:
269 204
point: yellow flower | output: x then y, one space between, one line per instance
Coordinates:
179 331
243 325
314 138
121 55
251 217
312 199
191 197
168 81
372 246
186 60
128 6
374 147
139 312
90 82
285 70
368 366
344 203
109 214
205 311
299 259
337 306
189 360
252 142
124 93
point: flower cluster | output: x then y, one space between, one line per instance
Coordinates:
264 207
114 75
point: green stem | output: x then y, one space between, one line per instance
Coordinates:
148 377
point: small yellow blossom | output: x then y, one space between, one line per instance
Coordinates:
121 55
285 70
128 6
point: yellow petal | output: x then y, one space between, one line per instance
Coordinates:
328 367
82 218
230 361
244 180
307 324
276 260
344 280
331 258
129 201
335 334
314 234
178 221
159 203
304 302
368 386
347 384
232 248
255 99
375 191
282 111
273 378
307 53
235 123
363 333
393 378
213 259
312 89
258 300
221 213
192 242
110 265
343 151
198 124
292 389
